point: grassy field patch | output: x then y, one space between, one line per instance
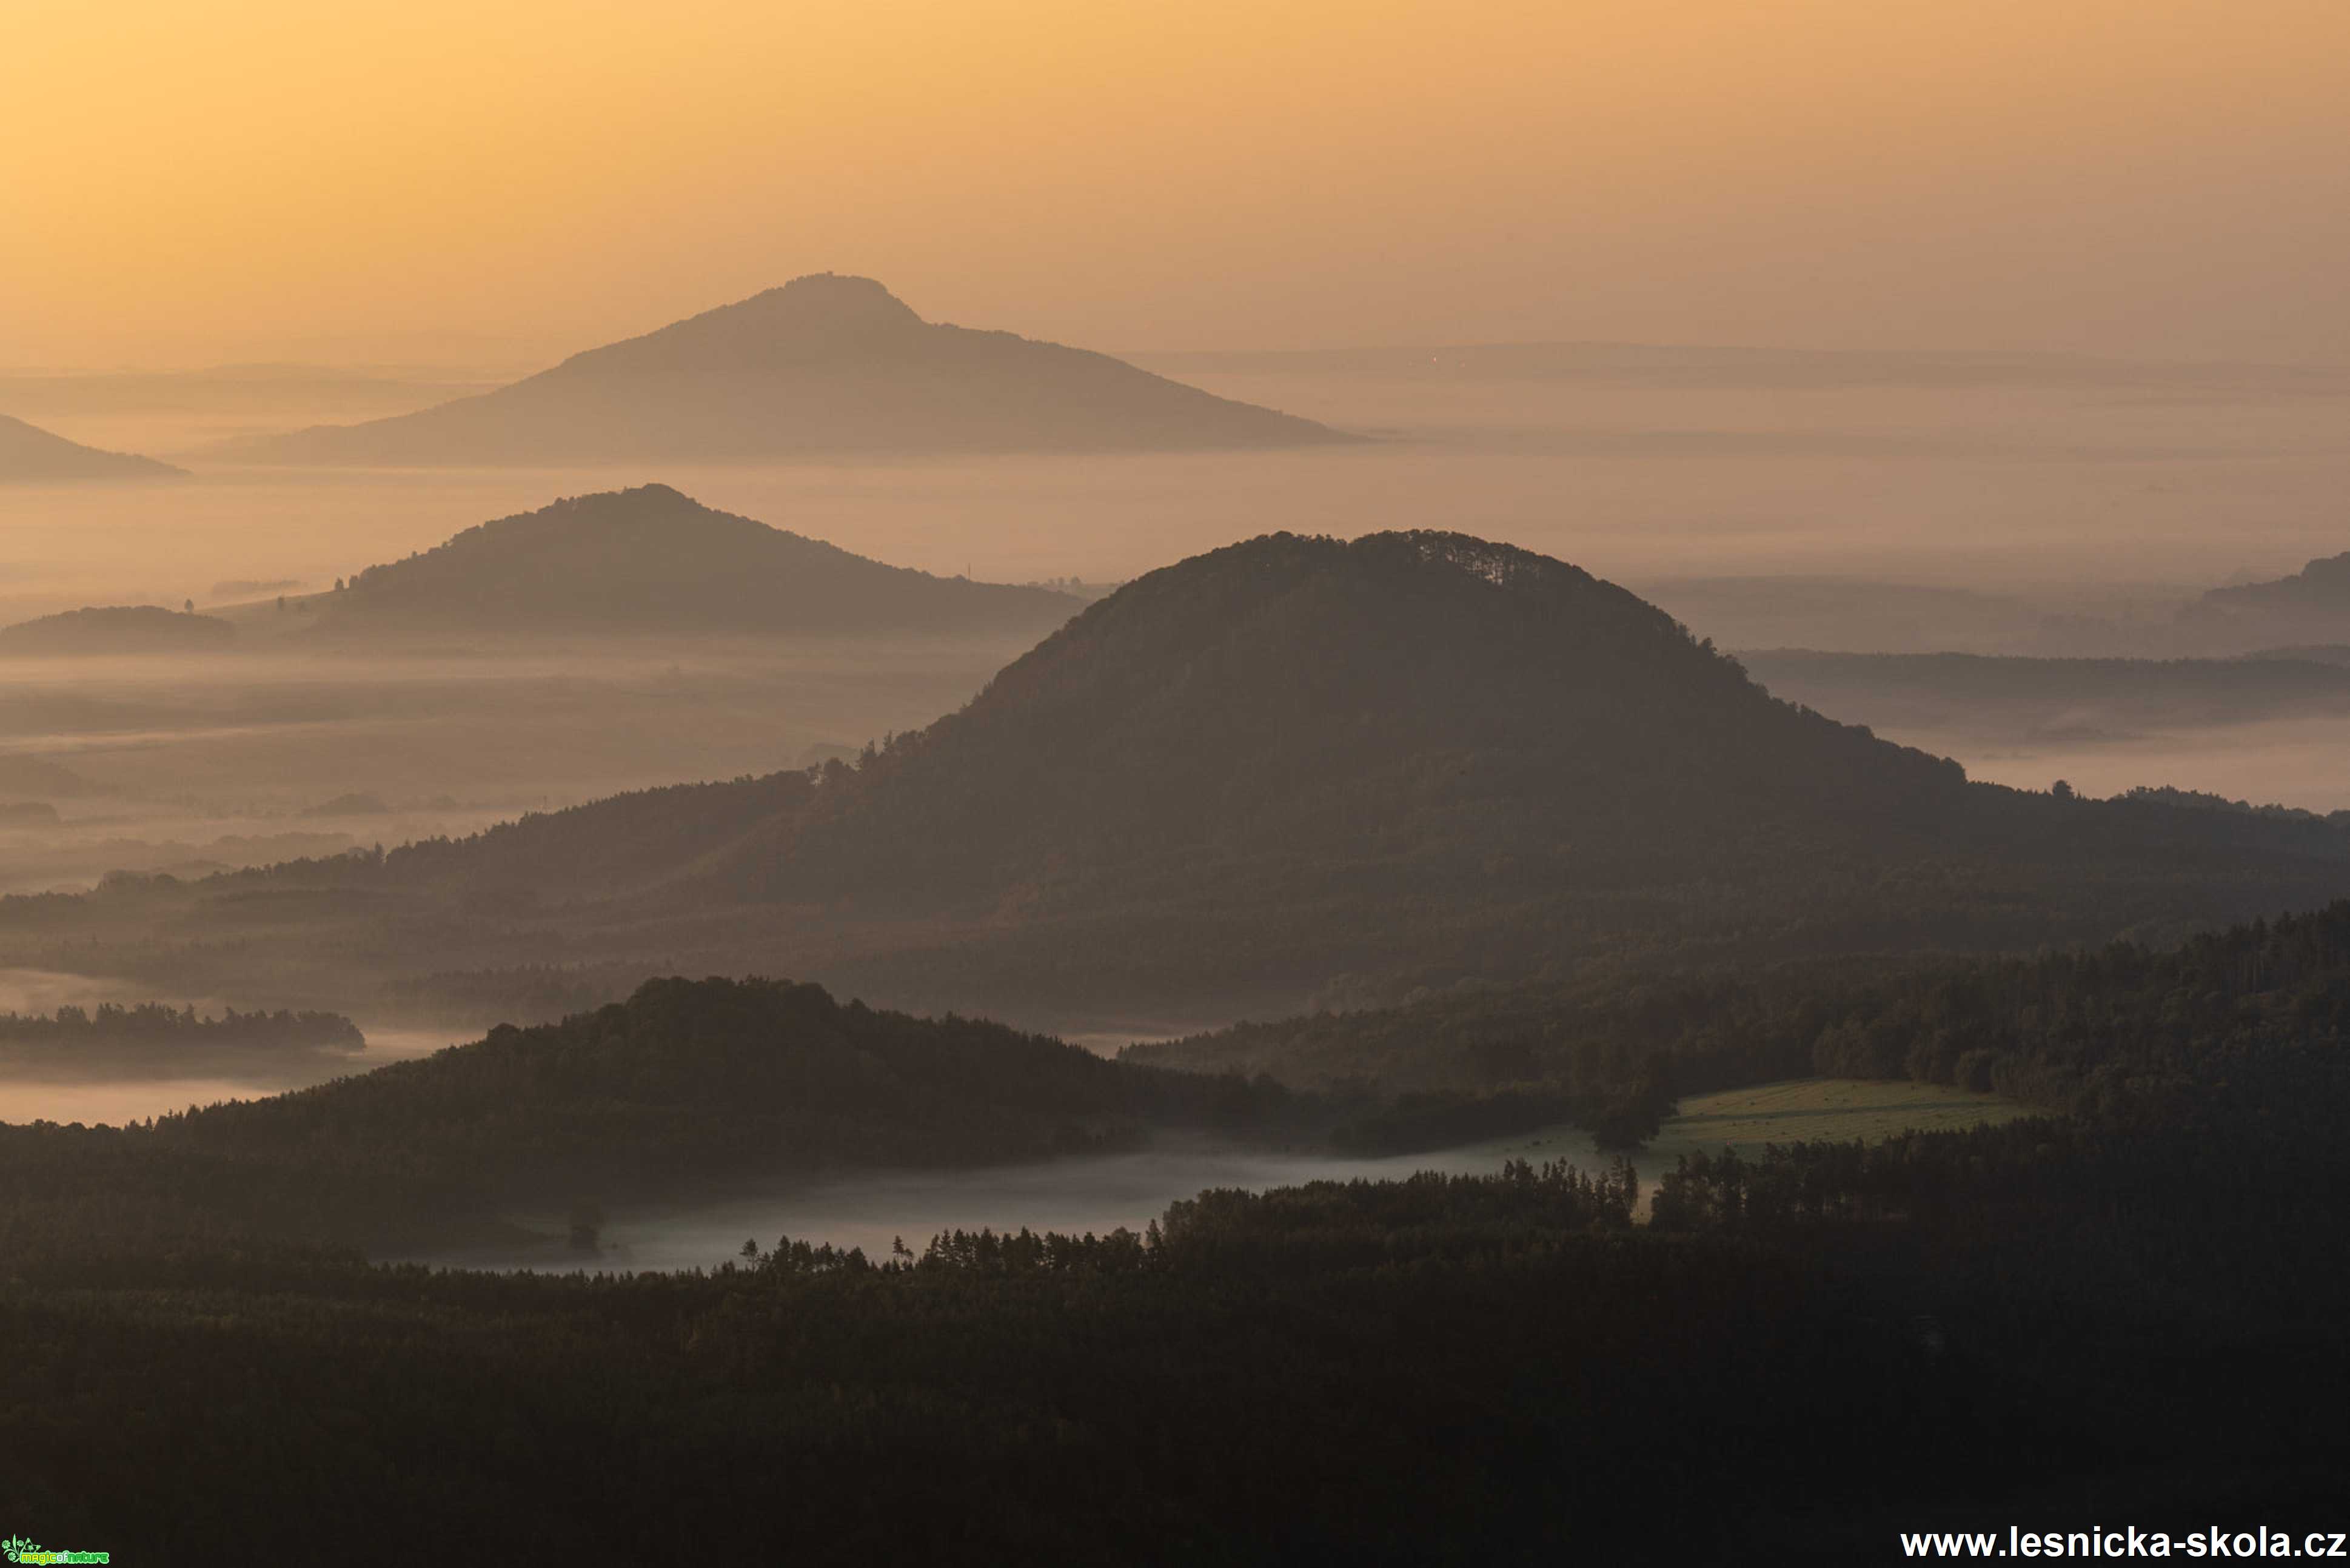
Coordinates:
1835 1109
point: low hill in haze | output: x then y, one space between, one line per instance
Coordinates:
2312 606
652 559
31 455
824 364
118 629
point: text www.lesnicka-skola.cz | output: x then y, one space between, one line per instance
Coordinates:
2130 1543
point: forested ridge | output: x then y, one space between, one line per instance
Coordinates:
1289 770
2124 1028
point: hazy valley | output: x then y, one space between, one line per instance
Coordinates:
1252 870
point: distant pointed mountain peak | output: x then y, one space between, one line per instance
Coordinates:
826 364
816 316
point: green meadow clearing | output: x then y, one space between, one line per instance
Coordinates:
1833 1109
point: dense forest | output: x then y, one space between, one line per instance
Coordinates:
2122 1029
2128 1305
1465 1370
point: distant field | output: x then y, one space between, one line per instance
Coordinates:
1840 1109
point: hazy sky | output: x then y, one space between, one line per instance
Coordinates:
508 180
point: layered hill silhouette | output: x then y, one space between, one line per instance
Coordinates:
118 629
823 365
1298 763
652 559
2311 606
31 455
27 778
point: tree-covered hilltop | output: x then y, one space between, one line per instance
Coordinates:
150 1040
652 559
686 1083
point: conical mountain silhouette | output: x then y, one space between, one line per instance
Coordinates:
824 364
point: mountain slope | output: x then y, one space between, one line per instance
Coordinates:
651 558
823 365
31 455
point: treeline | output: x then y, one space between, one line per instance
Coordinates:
2119 1029
149 1037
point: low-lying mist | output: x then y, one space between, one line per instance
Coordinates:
188 765
871 1211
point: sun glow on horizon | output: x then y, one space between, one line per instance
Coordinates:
264 178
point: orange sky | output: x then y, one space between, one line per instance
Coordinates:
508 180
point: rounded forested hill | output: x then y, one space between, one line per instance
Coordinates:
697 1078
1425 753
653 559
1427 702
823 365
118 629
